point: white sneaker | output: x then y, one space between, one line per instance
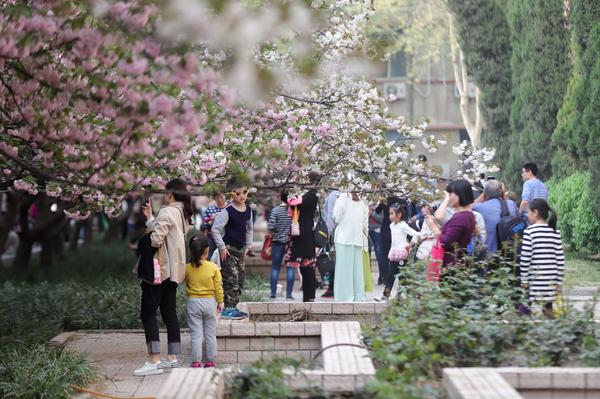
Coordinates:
168 364
149 369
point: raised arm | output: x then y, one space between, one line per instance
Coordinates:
160 226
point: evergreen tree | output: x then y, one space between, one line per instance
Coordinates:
571 135
540 70
484 37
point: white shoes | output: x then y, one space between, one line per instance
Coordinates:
381 299
167 364
149 369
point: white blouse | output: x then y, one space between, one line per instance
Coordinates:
399 233
352 222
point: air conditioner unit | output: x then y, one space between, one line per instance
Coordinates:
471 90
395 90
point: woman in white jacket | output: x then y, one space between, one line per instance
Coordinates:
167 233
351 216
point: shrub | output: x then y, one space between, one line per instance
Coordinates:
39 371
46 309
468 321
263 379
570 197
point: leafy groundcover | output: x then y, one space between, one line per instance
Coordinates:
470 320
467 320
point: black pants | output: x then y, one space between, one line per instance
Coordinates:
331 280
163 296
309 283
386 244
393 269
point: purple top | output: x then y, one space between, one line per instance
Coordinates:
456 234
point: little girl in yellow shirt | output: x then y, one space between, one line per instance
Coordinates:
205 301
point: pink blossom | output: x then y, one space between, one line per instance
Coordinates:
135 67
77 215
24 185
161 105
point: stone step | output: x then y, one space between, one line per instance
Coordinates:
189 383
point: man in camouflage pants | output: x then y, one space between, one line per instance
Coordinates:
232 232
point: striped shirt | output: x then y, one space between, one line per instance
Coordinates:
532 189
279 223
209 217
542 262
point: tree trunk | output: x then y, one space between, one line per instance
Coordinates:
113 231
47 224
52 240
74 233
8 219
88 230
459 67
23 256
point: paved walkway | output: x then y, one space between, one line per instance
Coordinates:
117 353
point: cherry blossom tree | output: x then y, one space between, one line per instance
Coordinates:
100 99
337 123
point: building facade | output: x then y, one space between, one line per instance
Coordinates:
429 96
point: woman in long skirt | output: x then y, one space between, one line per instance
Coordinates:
351 216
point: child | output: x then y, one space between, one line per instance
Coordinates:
542 258
400 245
232 232
205 299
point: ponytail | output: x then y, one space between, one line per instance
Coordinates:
548 214
552 218
197 245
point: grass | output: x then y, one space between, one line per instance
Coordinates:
90 264
254 287
39 371
91 288
582 271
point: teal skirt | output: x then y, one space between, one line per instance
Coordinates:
349 274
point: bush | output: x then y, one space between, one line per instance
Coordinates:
469 321
39 371
570 197
46 309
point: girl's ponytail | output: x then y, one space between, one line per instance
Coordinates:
198 245
548 214
552 218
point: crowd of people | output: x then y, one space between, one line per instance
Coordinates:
471 221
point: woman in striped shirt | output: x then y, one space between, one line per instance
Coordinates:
542 257
279 226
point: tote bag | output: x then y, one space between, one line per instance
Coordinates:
435 264
267 249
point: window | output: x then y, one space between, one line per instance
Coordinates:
397 65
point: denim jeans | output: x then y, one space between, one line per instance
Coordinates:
277 252
376 239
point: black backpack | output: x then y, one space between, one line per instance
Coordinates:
320 232
510 228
